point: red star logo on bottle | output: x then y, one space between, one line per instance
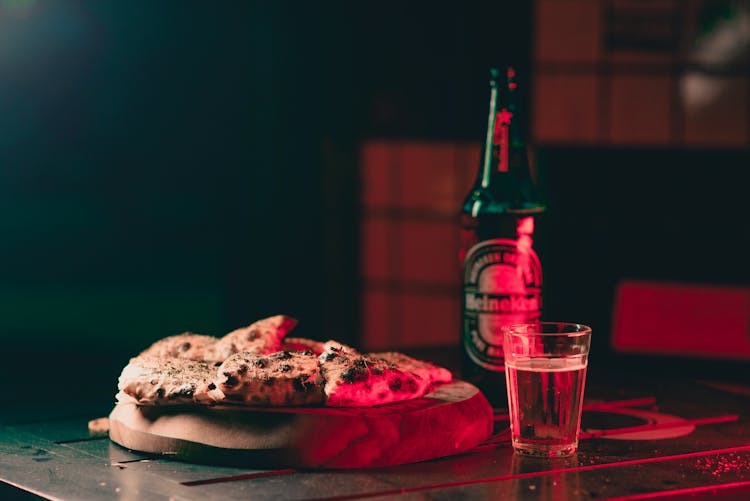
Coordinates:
505 116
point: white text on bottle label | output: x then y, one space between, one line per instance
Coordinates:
502 285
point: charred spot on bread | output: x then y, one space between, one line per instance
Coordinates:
184 346
395 384
242 369
411 385
299 384
260 363
354 374
186 392
231 380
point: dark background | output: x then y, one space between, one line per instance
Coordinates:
182 166
179 166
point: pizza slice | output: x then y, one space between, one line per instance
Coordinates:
283 378
354 380
262 337
187 345
426 370
149 380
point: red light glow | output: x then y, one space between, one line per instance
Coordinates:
502 122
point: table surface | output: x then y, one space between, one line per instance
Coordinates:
641 439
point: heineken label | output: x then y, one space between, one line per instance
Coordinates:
502 285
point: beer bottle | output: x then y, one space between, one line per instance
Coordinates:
502 272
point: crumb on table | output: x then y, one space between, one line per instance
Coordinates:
99 426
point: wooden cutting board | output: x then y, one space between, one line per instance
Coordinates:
454 418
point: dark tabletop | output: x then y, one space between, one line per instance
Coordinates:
643 436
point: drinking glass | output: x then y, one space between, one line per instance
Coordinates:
545 370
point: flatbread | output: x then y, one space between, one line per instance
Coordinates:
187 345
258 365
168 381
435 374
354 380
282 378
262 337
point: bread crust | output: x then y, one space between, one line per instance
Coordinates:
301 344
355 380
262 337
434 373
187 345
280 379
169 381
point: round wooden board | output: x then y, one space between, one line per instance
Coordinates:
454 418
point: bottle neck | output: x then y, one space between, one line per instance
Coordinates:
504 145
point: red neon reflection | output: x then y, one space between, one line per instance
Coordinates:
499 478
525 226
524 244
502 122
681 493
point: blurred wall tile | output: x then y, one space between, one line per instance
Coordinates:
430 250
565 108
376 165
568 31
375 245
641 110
376 320
427 173
638 32
411 197
715 110
429 320
469 155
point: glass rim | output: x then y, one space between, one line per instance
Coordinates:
569 329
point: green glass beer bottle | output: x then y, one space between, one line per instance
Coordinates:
500 233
